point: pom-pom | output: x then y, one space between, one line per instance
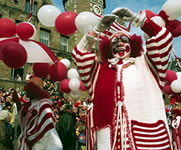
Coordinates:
136 46
105 48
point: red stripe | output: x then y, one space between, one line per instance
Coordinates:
163 36
148 130
84 59
162 46
119 27
84 67
160 55
80 53
39 126
86 74
157 140
47 50
152 140
47 128
9 40
148 135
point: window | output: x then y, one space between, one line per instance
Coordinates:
16 1
28 7
45 37
64 42
17 74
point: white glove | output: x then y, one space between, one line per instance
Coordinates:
105 22
125 14
129 16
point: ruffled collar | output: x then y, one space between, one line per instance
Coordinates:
117 61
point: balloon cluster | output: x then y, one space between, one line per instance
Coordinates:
68 22
12 53
56 71
72 84
173 85
60 71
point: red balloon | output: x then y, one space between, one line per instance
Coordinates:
170 76
4 42
14 55
58 71
7 28
41 69
167 89
25 30
65 23
64 86
82 87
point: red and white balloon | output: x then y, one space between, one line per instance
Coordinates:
66 62
25 30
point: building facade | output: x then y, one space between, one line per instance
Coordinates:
19 11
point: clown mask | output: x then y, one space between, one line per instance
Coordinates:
120 45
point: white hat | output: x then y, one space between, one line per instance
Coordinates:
4 114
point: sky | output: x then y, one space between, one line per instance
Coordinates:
153 5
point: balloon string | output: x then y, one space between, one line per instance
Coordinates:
31 10
178 62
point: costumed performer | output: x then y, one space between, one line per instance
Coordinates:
128 108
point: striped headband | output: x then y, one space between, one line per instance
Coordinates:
115 27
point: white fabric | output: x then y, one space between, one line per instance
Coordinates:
35 52
147 93
103 136
50 141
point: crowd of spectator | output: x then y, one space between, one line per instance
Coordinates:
64 109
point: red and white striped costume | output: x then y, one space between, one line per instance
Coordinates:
37 127
129 110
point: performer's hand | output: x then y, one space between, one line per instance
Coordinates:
105 22
129 16
124 13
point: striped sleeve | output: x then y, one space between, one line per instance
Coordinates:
158 52
88 66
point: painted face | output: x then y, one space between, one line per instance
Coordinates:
121 45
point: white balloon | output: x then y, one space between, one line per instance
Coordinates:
178 75
66 62
85 21
75 94
74 84
176 86
72 73
172 9
47 15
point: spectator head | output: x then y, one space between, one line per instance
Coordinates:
34 89
4 115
